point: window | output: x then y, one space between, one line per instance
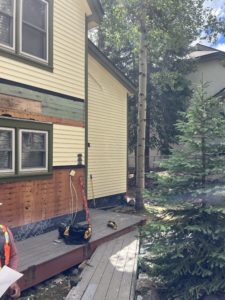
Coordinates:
7 23
25 148
34 28
33 150
25 30
7 156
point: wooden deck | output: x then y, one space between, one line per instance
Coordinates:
112 271
44 256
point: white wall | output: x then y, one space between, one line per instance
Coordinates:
212 72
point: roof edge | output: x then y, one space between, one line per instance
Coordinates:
201 47
107 63
216 55
97 11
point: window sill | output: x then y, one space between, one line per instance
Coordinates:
25 59
12 178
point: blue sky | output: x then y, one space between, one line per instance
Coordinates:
218 7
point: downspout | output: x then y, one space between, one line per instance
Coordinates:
86 106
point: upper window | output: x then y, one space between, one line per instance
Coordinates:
24 29
7 23
34 35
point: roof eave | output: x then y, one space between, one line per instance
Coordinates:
97 13
217 55
106 63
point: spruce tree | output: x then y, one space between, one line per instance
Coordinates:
186 257
200 155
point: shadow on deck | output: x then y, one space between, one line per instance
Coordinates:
43 257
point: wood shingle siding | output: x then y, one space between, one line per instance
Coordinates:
68 58
68 142
107 132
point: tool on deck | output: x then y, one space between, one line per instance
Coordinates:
92 188
77 233
112 224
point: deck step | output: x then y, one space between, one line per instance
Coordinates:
111 272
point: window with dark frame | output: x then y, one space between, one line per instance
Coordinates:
7 150
24 29
25 148
34 28
7 21
33 150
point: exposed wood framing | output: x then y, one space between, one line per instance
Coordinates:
19 104
39 117
31 201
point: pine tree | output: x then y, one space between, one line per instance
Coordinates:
202 148
186 255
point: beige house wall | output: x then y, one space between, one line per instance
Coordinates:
68 142
69 54
107 132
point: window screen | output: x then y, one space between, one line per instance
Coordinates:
33 146
7 22
35 28
6 149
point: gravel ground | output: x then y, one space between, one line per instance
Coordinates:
55 288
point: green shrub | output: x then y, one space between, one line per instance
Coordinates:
186 251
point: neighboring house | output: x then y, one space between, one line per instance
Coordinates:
209 68
63 107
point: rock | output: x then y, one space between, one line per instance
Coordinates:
152 295
131 201
74 281
139 297
58 280
143 276
144 284
75 272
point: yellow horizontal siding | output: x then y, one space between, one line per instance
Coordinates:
68 141
69 54
107 132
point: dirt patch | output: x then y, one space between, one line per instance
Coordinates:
56 288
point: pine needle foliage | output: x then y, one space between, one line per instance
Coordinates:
200 155
186 251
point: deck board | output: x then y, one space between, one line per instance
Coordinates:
42 257
111 277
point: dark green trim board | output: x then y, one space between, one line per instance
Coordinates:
21 57
86 106
127 171
36 89
52 105
106 63
16 178
32 125
68 167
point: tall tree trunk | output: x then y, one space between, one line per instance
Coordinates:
141 127
203 150
147 141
